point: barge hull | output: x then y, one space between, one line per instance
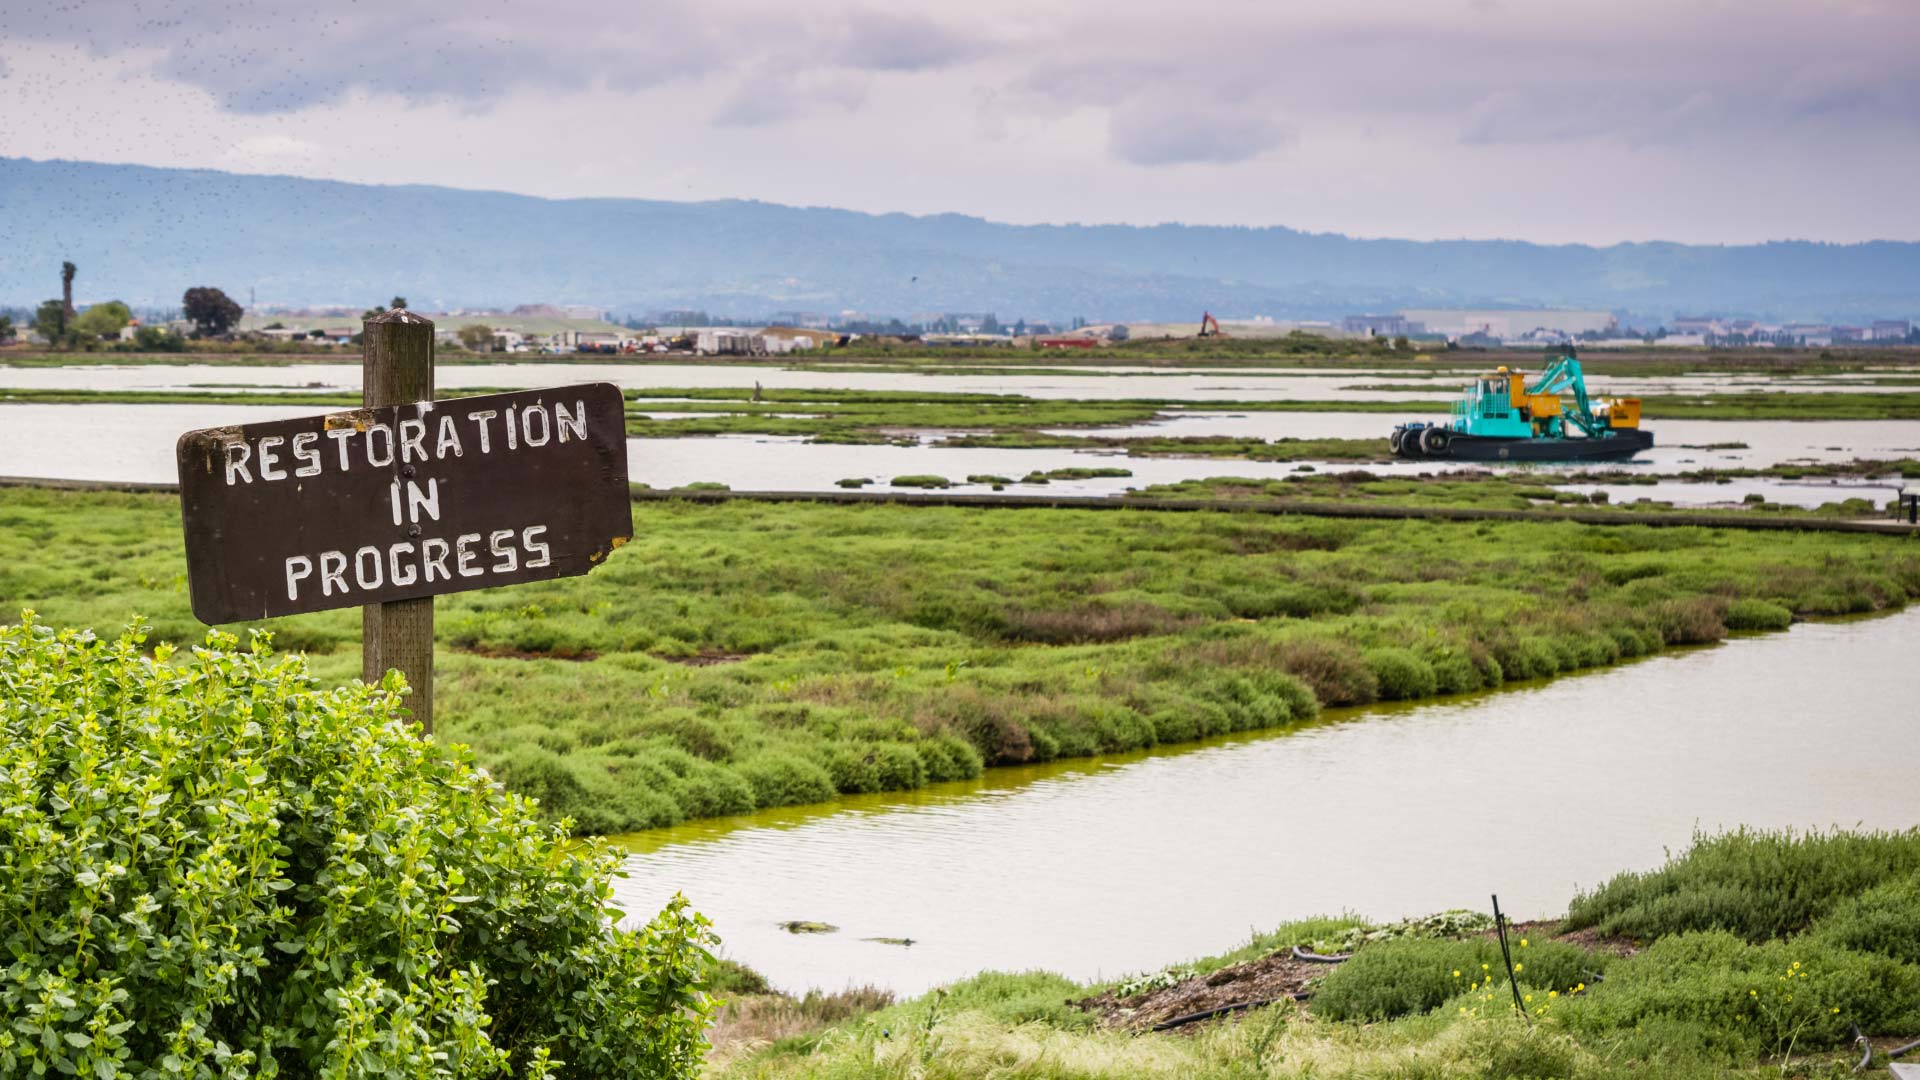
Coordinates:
1619 446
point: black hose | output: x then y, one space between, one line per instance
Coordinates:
1312 957
1506 954
1866 1049
1194 1018
1907 1049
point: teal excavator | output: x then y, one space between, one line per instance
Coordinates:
1501 417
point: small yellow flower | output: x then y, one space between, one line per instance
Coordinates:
1529 997
1836 1009
1456 973
1523 944
1553 993
1519 967
1753 993
1483 967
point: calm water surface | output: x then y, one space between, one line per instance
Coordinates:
1096 868
135 442
1099 383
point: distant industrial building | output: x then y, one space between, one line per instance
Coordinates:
1891 329
1381 326
1810 334
1503 323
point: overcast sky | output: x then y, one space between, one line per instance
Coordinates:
1551 120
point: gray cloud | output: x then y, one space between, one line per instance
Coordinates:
1006 106
887 41
275 56
1524 72
1154 132
762 100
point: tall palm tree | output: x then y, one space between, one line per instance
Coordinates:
67 270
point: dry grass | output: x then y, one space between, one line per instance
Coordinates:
753 1022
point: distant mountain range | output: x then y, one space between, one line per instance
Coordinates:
144 235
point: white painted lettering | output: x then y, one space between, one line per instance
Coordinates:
433 556
303 451
384 455
333 572
413 440
237 463
467 559
544 556
481 419
299 568
340 437
576 423
449 437
269 461
395 567
509 556
512 442
393 497
527 416
428 500
366 568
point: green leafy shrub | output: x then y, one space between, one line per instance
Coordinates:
1776 993
1401 674
1754 883
1884 920
1263 699
1454 673
1411 975
1751 613
211 867
780 779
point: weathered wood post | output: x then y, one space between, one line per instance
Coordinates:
397 368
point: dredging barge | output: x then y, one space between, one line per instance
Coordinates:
1502 418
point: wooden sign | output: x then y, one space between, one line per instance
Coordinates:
398 502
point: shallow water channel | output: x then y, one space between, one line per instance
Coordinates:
1096 868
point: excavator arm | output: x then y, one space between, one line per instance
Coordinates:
1564 374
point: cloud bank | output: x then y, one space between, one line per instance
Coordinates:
1123 109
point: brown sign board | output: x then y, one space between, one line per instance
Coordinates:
397 502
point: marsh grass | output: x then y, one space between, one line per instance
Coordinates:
1692 1005
743 656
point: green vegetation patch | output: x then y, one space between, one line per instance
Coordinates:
211 866
1696 1004
921 481
740 656
1755 884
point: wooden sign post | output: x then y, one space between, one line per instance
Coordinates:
386 506
396 368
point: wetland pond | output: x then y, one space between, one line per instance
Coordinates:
1095 383
1103 867
122 442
